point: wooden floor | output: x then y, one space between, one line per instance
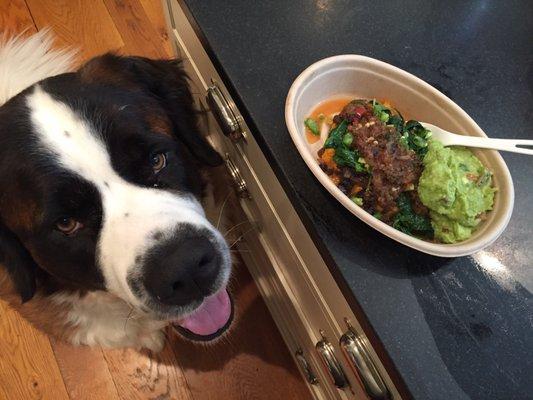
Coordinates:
252 363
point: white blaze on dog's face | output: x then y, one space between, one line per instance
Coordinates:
135 188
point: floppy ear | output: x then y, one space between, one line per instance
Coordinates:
18 263
168 83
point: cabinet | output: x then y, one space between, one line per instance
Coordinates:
316 322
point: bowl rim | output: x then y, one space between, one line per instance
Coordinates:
438 249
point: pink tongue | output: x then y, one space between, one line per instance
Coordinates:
211 316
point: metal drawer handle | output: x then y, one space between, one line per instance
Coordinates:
305 367
220 107
240 184
355 348
327 355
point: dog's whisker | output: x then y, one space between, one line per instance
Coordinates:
128 317
242 236
227 342
222 209
166 334
236 226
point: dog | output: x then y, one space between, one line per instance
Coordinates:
104 239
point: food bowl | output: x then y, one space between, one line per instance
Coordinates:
358 76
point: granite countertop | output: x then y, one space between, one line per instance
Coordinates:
448 328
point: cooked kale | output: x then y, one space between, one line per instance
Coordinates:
416 137
348 158
336 135
408 221
397 122
380 111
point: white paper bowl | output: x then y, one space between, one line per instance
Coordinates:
363 77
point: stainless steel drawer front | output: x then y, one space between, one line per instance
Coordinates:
355 350
327 354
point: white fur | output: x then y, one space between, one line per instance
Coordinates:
102 319
25 61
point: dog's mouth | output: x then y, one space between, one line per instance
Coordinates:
210 320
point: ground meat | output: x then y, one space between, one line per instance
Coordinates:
394 167
353 112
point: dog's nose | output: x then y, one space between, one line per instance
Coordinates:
182 271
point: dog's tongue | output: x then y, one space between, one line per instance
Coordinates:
212 315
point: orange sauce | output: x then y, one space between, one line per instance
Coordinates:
329 107
326 107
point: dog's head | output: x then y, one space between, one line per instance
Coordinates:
100 179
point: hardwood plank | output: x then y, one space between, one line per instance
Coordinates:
85 372
251 362
83 24
143 375
15 17
28 368
138 34
154 11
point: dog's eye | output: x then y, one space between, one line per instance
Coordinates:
158 161
68 226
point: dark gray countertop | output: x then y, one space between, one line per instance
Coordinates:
447 328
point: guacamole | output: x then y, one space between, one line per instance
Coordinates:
457 189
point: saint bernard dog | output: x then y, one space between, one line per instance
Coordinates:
104 238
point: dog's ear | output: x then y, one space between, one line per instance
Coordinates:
18 262
167 82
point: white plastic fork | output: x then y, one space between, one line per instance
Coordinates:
453 139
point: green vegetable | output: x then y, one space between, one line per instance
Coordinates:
364 164
416 137
340 140
380 111
336 135
347 139
357 200
349 158
397 122
312 125
408 221
379 108
377 215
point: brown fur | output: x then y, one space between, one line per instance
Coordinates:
99 70
102 71
19 208
158 123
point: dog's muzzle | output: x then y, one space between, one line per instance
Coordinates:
185 275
